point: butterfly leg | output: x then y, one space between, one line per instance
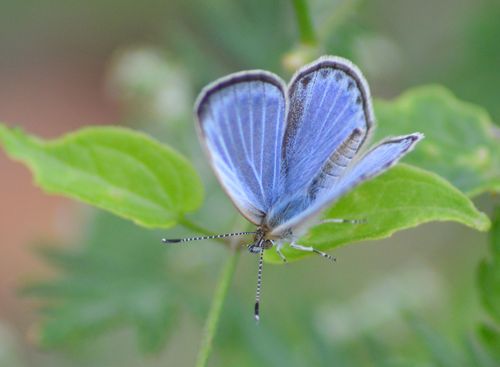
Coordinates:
338 220
254 249
311 249
279 246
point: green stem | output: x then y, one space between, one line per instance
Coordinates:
216 308
304 21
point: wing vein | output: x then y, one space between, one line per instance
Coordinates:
240 127
332 106
221 141
263 135
243 142
276 153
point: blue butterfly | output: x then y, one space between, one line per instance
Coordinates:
283 154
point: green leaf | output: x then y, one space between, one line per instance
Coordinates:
119 277
116 169
403 197
461 143
489 273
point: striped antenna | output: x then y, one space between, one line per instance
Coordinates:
259 285
188 239
338 220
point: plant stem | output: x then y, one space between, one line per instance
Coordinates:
216 308
304 21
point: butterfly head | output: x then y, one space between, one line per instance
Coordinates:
261 240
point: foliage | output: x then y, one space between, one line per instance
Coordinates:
461 143
116 169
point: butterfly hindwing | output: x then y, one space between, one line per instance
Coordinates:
333 170
376 161
379 159
241 120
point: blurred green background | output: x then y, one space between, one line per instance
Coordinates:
125 300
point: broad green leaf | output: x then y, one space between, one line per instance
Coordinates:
489 273
120 170
401 198
119 277
461 143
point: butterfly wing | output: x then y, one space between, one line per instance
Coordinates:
329 99
329 119
241 123
379 159
374 162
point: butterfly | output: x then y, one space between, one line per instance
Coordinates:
285 153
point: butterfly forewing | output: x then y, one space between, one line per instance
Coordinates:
329 119
329 99
241 120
